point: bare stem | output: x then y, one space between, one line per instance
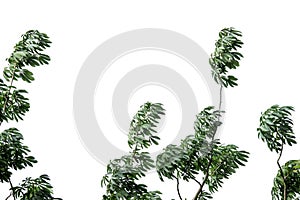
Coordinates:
178 191
220 97
281 173
8 196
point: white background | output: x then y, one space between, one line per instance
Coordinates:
268 75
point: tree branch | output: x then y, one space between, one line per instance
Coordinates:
196 181
8 196
282 174
220 97
11 187
178 191
200 190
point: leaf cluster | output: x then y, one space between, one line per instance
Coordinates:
276 127
201 154
291 172
122 174
13 153
141 131
34 189
225 160
226 57
13 103
27 52
184 159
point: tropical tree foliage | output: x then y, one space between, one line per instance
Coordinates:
121 178
34 189
199 154
276 130
226 57
200 157
14 104
202 154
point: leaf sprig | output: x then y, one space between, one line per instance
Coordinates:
27 52
34 189
122 174
276 127
13 154
226 57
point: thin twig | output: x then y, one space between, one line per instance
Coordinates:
178 191
220 97
281 172
11 187
200 190
196 181
8 196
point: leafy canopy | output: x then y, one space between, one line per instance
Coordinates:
197 154
201 154
14 104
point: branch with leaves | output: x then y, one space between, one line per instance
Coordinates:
14 104
122 174
276 130
200 153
